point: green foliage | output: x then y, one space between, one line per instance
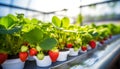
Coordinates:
56 21
65 22
7 22
33 36
48 43
79 20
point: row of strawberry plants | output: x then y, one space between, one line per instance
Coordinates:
23 37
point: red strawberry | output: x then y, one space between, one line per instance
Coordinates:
102 41
3 57
53 55
105 38
23 56
83 48
69 45
110 36
33 51
92 44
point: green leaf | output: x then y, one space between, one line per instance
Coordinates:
13 17
65 22
27 20
7 22
11 31
33 36
56 21
95 34
34 21
48 43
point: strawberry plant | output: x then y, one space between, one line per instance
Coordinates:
40 39
12 29
11 38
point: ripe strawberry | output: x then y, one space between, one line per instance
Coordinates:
102 41
33 51
110 36
24 49
83 48
69 45
105 38
92 44
54 55
40 56
3 57
23 56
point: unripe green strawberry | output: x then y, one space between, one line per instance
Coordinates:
40 56
38 48
24 48
75 49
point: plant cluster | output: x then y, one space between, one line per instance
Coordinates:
23 36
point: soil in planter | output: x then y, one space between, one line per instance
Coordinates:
0 67
13 56
66 49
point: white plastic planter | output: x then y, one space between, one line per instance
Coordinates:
88 47
83 51
73 52
13 64
43 63
107 41
97 43
63 55
30 58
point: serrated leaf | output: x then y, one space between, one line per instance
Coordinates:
56 21
33 36
48 43
65 22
